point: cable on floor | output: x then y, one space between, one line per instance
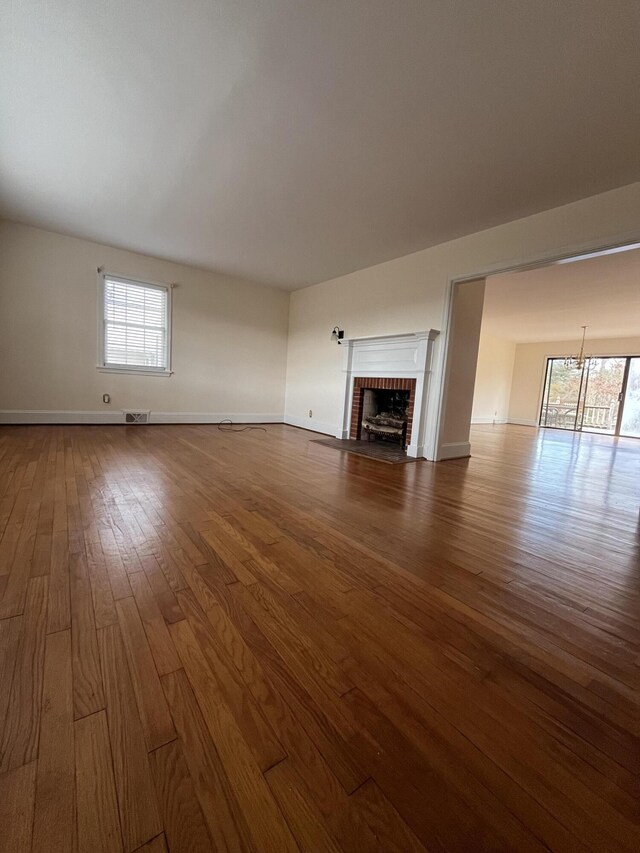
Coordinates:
226 425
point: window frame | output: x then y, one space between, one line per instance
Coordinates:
132 368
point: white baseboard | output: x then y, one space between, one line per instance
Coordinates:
520 421
312 425
455 450
117 417
43 416
215 418
415 451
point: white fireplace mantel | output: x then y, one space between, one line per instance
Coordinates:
397 356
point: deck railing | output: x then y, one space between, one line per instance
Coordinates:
564 415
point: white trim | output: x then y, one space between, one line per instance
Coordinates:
140 371
15 416
311 424
437 396
133 369
433 404
33 416
416 451
367 340
522 422
166 285
455 450
385 340
408 356
489 420
216 417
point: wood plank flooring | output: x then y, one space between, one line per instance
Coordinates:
248 641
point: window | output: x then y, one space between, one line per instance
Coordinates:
603 396
135 323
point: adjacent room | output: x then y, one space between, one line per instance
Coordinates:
319 426
559 347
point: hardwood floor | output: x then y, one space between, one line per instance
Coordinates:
220 641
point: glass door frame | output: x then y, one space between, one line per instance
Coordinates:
623 398
584 381
545 396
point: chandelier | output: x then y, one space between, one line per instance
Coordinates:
578 362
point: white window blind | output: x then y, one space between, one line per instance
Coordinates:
135 321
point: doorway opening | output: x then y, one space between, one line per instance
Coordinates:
533 367
602 396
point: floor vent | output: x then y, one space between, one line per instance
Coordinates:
136 417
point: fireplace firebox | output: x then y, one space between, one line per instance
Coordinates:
382 409
384 415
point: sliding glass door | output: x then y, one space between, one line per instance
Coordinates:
562 394
630 420
603 396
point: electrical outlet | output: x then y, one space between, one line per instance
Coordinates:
310 413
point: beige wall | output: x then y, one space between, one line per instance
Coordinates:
493 379
466 322
229 335
411 294
529 369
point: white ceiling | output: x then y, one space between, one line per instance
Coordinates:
552 303
296 140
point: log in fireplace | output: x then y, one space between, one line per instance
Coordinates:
382 409
384 415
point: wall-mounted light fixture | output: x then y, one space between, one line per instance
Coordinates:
337 335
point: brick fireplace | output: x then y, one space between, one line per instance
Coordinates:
388 363
379 383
